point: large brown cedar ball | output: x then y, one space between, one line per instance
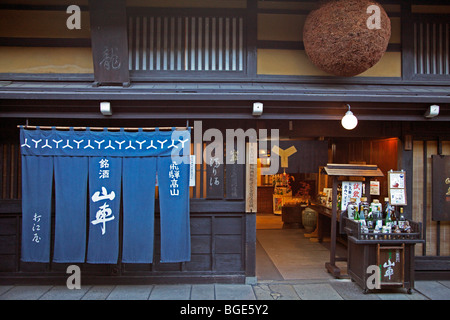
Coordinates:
338 40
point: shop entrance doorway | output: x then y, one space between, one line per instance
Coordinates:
288 251
289 254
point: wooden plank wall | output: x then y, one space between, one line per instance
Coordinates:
381 152
217 242
437 234
10 171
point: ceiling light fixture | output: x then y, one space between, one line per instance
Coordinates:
349 121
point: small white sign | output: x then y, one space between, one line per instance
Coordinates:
192 171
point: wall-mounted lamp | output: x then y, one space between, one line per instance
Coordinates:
349 121
257 109
105 108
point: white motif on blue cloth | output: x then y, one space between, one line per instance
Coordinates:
83 144
104 214
174 175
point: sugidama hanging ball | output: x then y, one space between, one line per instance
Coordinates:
346 37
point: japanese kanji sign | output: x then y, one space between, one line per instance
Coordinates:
350 189
391 263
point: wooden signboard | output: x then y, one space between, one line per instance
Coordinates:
251 177
109 41
397 188
214 178
441 188
235 175
391 261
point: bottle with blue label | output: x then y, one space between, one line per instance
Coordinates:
364 208
377 215
388 219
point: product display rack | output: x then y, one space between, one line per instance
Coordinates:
392 253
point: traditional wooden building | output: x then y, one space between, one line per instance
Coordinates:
162 63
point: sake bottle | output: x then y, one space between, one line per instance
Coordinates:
364 209
388 221
401 220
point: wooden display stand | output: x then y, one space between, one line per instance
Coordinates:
345 170
393 253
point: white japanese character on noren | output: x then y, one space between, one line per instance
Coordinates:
102 216
104 195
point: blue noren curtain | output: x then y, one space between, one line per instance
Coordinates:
71 174
139 178
37 180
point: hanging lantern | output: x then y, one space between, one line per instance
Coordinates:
346 37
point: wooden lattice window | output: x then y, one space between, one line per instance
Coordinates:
186 42
431 47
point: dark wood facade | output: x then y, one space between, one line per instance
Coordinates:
222 68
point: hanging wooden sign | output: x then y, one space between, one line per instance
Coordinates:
109 42
441 188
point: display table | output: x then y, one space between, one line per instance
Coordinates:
291 215
324 223
393 253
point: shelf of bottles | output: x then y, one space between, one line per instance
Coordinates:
366 221
281 192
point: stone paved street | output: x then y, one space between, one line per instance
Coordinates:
264 290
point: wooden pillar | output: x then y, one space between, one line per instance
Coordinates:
331 265
251 204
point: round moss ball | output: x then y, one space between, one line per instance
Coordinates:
343 39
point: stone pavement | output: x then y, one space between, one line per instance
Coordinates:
266 290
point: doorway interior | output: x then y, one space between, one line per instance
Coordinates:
286 254
289 253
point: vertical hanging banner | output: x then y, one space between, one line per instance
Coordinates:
105 175
71 174
89 169
37 177
173 180
139 178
